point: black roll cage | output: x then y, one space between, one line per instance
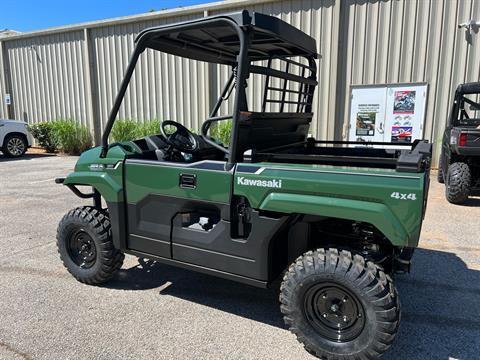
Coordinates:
243 24
459 101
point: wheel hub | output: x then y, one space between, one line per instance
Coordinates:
15 146
81 249
334 311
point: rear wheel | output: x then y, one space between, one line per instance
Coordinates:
458 182
440 175
84 241
14 145
339 305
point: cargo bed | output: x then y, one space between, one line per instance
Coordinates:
414 157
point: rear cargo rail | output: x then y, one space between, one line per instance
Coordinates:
406 157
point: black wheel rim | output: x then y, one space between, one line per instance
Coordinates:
81 249
334 312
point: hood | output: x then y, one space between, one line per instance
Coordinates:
8 121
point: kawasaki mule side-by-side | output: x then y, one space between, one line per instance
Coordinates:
335 219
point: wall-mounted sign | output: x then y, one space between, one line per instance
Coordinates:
365 119
8 99
404 102
387 113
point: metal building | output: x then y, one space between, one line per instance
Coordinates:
75 71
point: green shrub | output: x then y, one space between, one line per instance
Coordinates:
43 132
125 130
221 132
67 135
72 138
151 127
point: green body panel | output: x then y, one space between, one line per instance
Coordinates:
374 213
359 194
143 179
108 181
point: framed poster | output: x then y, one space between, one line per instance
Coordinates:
367 115
404 101
393 113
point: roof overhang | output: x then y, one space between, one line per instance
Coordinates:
469 88
216 38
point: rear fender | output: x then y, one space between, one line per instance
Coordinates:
377 214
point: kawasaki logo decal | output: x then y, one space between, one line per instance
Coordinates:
277 184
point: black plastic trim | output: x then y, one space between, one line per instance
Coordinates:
217 249
207 165
248 169
201 269
154 246
187 181
118 223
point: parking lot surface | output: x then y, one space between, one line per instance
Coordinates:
155 311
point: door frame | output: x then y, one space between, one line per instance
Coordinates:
160 190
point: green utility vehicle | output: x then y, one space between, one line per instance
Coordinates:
334 219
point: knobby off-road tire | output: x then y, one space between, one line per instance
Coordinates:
14 146
440 175
339 305
84 241
458 181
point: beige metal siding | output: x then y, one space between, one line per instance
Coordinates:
167 87
3 90
319 19
48 80
403 41
75 72
162 87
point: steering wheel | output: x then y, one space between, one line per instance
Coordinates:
182 139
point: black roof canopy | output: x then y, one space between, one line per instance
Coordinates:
469 88
216 38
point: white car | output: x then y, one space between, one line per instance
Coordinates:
15 138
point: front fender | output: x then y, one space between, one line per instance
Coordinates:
374 213
107 185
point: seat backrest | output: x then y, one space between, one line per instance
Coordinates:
258 131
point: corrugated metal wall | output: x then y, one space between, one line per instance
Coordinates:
3 91
168 87
163 86
404 41
320 20
47 77
75 72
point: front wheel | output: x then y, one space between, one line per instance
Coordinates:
14 146
339 305
84 241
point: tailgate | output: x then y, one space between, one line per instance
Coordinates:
466 140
